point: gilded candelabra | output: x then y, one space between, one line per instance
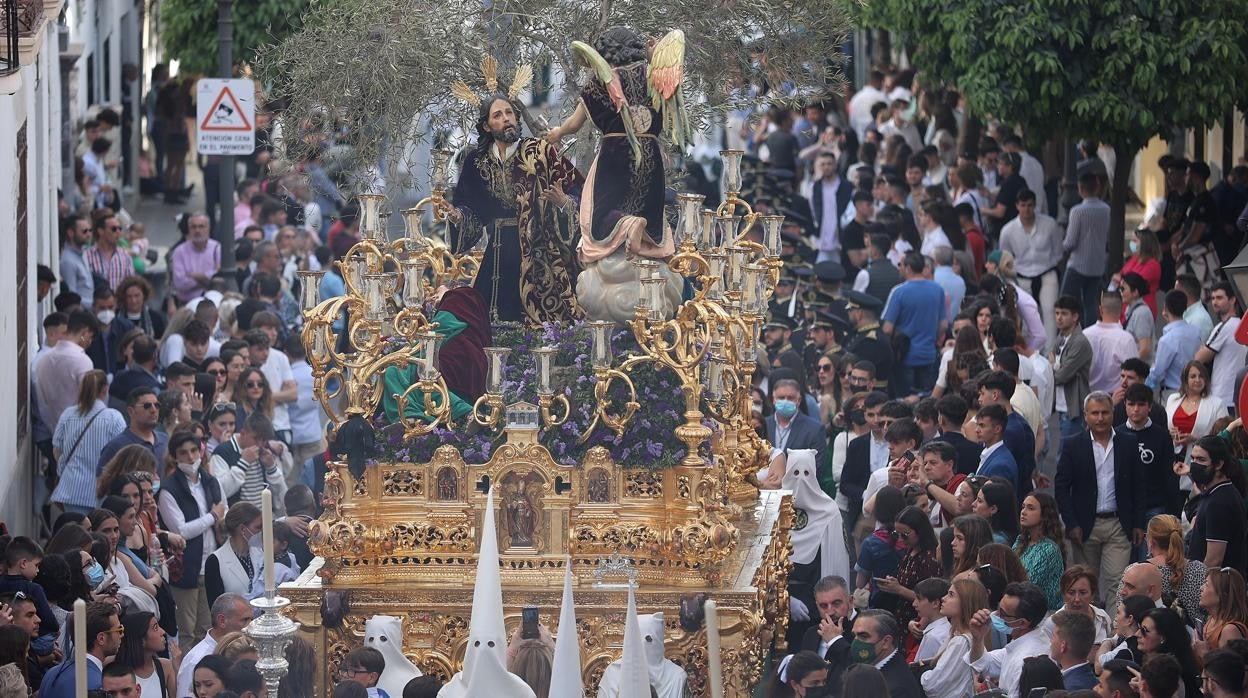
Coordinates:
382 320
711 342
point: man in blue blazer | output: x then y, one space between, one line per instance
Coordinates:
104 631
788 428
1069 645
1099 487
996 459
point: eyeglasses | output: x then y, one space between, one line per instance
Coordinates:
1145 632
350 672
119 629
115 228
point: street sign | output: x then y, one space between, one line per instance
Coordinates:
225 116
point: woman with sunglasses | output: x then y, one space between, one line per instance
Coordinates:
141 644
215 367
1222 596
1124 643
252 393
831 392
918 562
1162 632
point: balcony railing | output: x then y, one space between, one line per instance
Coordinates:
9 57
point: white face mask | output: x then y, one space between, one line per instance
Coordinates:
189 469
105 316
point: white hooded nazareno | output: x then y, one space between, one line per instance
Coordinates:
565 671
623 677
818 527
385 634
485 672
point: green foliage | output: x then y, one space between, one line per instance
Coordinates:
1119 71
189 29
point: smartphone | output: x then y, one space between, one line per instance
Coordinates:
528 623
109 579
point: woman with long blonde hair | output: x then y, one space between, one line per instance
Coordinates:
1179 575
951 678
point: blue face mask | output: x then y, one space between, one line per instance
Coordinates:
999 624
155 488
95 574
786 408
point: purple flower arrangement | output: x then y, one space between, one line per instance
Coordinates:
648 440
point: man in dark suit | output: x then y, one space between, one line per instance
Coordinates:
829 198
952 411
104 631
864 455
1069 646
830 636
1100 493
996 459
788 428
878 641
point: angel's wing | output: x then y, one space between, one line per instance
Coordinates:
665 73
602 71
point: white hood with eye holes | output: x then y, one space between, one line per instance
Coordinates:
817 523
485 660
385 634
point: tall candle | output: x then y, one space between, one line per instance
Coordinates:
266 509
714 661
80 649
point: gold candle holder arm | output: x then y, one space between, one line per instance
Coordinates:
549 420
602 399
487 411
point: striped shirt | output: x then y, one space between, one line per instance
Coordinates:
77 469
113 268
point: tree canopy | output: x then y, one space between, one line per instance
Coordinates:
189 29
1114 71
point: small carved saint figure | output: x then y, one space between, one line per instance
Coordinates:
448 485
599 488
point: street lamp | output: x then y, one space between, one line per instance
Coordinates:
1237 273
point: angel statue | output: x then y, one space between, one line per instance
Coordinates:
633 98
519 193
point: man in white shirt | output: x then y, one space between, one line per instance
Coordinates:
862 101
932 234
1020 614
61 369
1195 314
230 613
1035 241
1111 344
1221 349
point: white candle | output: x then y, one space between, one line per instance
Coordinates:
266 509
80 648
714 662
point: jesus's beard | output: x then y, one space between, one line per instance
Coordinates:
508 135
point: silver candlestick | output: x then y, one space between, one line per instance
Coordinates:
271 632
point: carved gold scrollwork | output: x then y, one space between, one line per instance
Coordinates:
401 481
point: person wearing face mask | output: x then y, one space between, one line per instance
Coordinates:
877 642
1018 616
235 566
1218 532
190 504
104 346
800 675
788 428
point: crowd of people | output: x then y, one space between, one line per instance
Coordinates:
937 340
1033 451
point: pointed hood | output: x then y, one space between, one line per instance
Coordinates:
565 672
486 631
635 681
485 660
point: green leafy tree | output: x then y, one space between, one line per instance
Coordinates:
189 29
1115 71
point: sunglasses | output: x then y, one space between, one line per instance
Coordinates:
218 371
119 629
256 384
825 367
1145 632
146 405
